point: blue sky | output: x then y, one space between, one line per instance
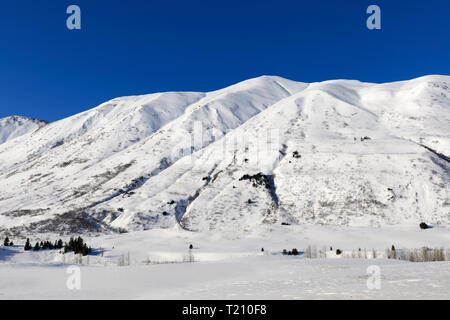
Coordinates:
144 46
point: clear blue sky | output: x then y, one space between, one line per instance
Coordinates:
144 46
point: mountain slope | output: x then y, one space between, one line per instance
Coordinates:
15 126
267 150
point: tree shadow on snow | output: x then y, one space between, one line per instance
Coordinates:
97 251
7 253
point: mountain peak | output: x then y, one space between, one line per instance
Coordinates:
15 126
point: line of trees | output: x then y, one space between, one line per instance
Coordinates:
78 246
43 245
293 252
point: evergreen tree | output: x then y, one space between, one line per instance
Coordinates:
6 242
37 247
85 250
423 225
71 243
79 245
27 245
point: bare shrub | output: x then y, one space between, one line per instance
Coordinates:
314 252
121 261
423 254
308 252
189 257
323 253
427 255
311 252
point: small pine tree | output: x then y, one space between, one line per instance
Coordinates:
27 246
85 250
6 242
423 225
79 245
37 247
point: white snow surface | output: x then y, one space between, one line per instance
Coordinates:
231 266
16 126
338 152
251 278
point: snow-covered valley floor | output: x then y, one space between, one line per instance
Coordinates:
232 267
241 278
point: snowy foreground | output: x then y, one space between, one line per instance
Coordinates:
149 265
241 278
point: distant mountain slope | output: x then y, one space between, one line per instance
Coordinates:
15 126
266 150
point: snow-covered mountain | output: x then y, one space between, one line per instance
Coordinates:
15 126
264 151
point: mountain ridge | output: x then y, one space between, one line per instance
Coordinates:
140 154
